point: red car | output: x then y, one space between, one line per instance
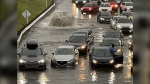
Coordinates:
90 8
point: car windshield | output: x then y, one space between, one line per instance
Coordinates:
77 39
81 33
110 42
112 35
105 5
88 5
101 53
105 14
129 4
126 0
26 51
64 51
125 14
124 21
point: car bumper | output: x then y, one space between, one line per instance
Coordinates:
32 66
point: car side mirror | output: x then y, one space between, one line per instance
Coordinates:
52 53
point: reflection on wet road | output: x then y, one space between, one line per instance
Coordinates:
52 37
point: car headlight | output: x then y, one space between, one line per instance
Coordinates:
22 61
76 1
119 50
41 61
111 61
83 47
119 26
131 26
101 18
90 8
84 1
94 61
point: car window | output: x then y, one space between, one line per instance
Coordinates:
110 42
81 33
64 51
101 53
124 21
88 5
129 4
104 5
112 35
77 39
26 51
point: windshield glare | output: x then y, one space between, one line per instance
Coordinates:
110 42
26 51
77 39
124 21
112 35
64 51
101 53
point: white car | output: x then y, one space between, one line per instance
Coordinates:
124 24
105 7
126 6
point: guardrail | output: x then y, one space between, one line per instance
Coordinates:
33 22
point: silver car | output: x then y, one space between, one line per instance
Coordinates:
65 56
124 24
113 20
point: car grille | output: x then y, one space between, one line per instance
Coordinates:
32 64
62 62
107 19
104 9
125 28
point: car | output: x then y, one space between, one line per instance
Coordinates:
65 56
101 56
104 16
87 32
81 2
81 42
113 20
127 13
126 6
32 56
105 7
126 0
124 25
113 34
73 1
89 8
118 56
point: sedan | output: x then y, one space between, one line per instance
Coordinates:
87 32
32 56
65 56
127 13
113 20
105 7
81 42
101 56
89 8
104 16
113 34
107 42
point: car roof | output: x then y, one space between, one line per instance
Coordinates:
111 38
66 46
100 47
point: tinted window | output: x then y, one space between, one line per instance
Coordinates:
112 35
105 14
88 5
129 4
105 5
110 42
64 51
77 39
124 21
101 53
81 33
26 51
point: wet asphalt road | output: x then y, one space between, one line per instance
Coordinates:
52 37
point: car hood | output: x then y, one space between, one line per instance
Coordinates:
103 59
63 57
104 7
125 24
31 58
76 44
105 16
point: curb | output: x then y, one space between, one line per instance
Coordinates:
33 22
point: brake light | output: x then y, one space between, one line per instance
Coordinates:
111 5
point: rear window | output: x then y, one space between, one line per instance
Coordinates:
124 21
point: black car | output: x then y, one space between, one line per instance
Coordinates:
81 42
107 42
32 56
66 56
101 56
104 16
81 2
113 34
87 32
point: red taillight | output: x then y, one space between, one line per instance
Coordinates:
112 5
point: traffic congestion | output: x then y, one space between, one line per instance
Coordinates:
97 49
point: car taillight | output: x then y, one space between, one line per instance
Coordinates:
112 5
